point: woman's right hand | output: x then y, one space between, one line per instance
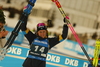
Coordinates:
3 34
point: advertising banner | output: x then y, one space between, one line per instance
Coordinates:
16 56
75 47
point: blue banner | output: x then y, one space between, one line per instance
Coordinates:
16 56
66 61
75 47
11 62
18 51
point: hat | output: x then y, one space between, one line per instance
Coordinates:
41 26
2 16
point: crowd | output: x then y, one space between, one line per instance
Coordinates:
9 5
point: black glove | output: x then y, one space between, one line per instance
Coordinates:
65 20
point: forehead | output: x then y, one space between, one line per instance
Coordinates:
41 30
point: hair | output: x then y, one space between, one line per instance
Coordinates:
2 16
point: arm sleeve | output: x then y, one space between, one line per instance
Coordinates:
27 33
54 41
64 33
23 25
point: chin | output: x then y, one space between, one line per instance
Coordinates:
44 37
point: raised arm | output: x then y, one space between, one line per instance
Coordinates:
27 33
54 41
65 31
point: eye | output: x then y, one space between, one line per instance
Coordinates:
40 32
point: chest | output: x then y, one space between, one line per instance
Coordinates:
40 46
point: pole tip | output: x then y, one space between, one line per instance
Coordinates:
67 17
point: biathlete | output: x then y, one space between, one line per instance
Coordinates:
40 44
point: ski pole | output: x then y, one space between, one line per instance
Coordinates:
71 28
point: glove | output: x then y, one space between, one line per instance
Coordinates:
65 19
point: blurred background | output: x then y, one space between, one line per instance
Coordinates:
84 16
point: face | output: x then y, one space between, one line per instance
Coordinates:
1 25
42 33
